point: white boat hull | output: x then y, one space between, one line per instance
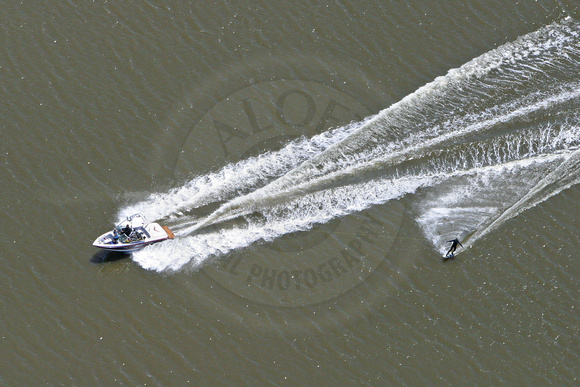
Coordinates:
143 234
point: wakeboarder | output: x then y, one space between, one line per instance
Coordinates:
451 252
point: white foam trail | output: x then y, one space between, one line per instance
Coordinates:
469 208
299 215
235 178
489 121
403 129
287 186
563 177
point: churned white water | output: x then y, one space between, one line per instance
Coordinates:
469 145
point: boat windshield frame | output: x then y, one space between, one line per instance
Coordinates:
137 223
134 221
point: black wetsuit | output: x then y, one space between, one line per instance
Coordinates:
453 247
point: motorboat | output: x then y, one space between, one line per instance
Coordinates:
133 234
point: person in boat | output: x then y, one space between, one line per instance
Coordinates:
115 236
127 230
454 243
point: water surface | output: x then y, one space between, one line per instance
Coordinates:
363 136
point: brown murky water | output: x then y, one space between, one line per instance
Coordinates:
331 273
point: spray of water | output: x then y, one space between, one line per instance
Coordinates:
474 147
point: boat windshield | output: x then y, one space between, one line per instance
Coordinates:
133 221
131 229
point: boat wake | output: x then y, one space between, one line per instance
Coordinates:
475 148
